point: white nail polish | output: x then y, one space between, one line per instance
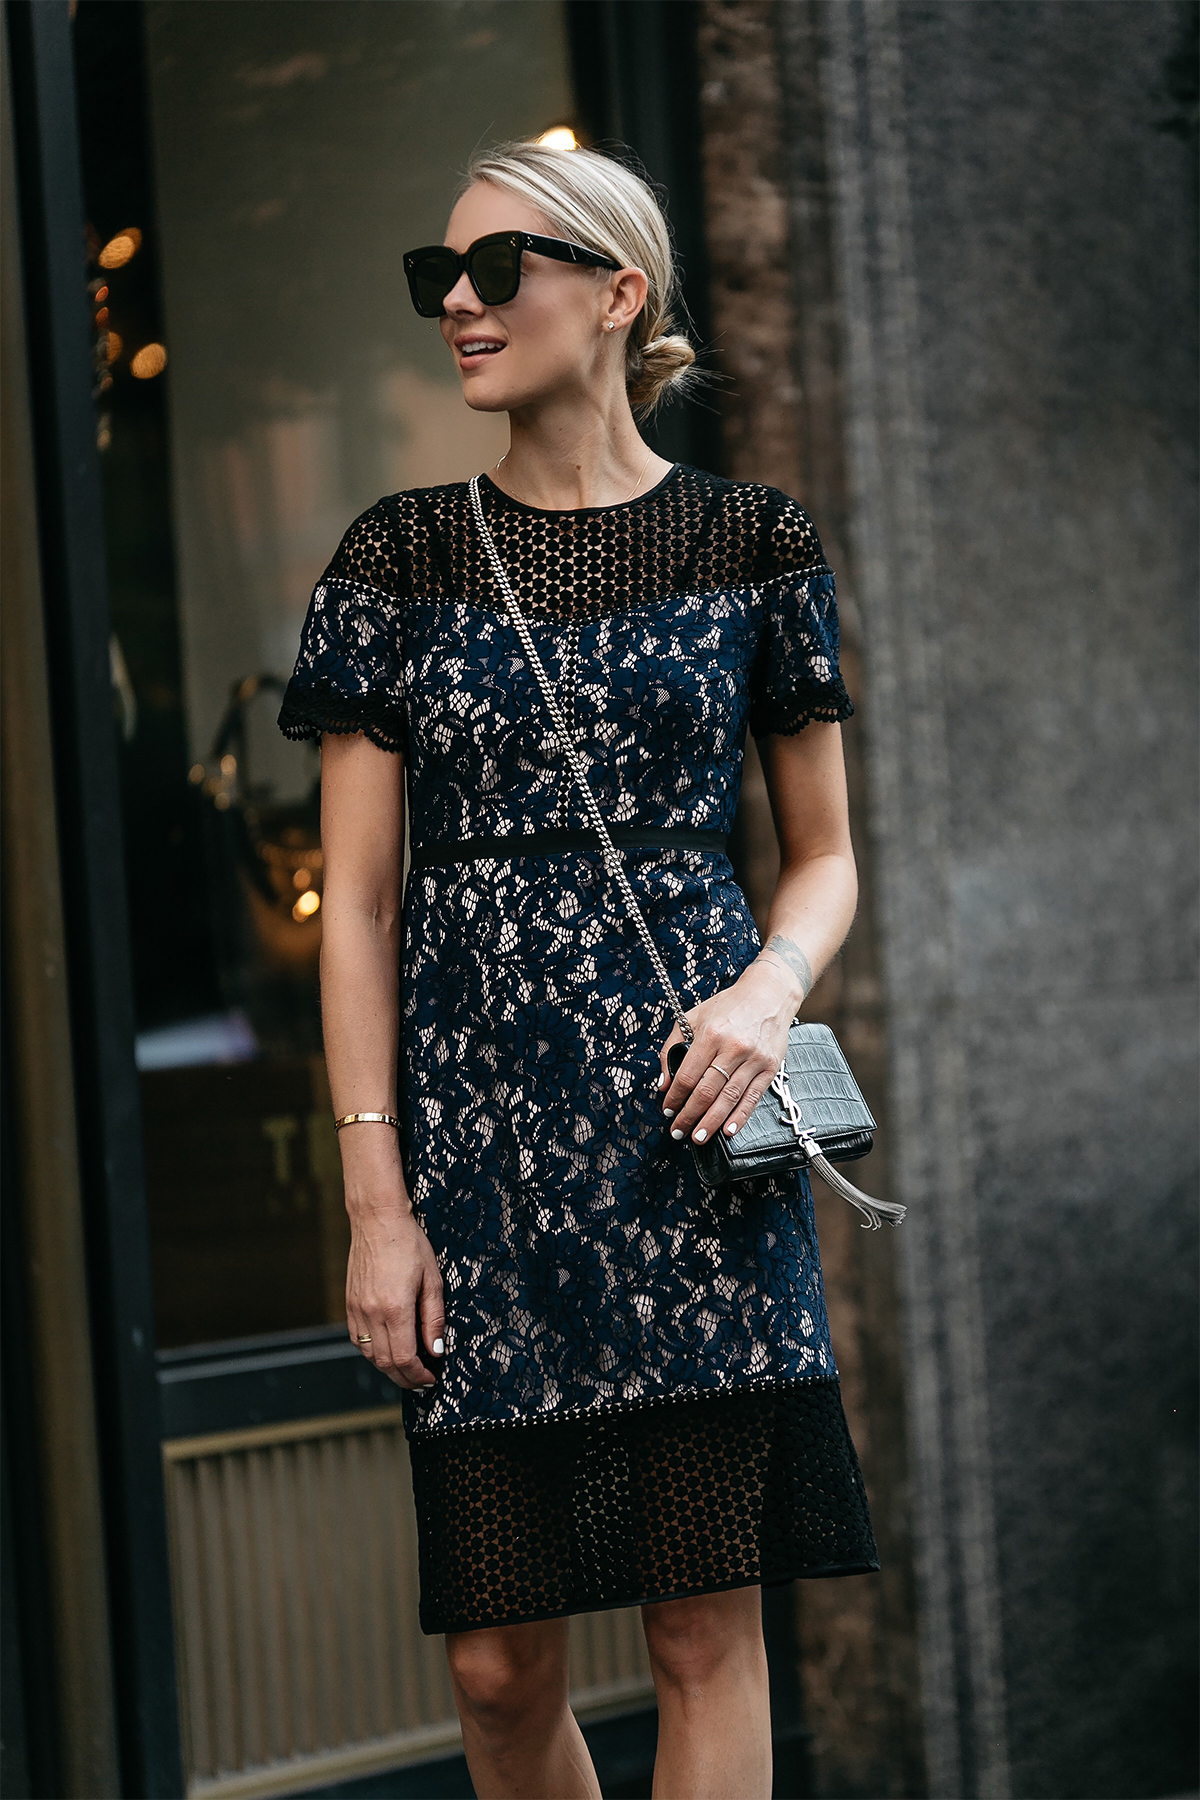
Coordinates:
439 1348
677 1133
731 1126
668 1112
698 1137
662 1080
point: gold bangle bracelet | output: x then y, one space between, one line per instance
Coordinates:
366 1119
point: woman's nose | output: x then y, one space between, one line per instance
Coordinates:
462 297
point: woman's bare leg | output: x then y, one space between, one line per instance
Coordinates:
714 1712
521 1738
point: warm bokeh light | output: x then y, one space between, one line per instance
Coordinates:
150 361
113 345
118 250
302 879
101 293
196 774
229 765
306 906
559 137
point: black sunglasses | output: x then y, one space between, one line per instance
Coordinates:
493 266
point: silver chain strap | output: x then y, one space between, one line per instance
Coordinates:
612 856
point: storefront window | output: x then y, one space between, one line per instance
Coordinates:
254 173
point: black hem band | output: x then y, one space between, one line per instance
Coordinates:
743 1487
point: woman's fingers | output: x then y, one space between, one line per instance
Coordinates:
716 1094
433 1318
405 1366
690 1061
665 1077
393 1343
753 1093
717 1083
358 1328
394 1299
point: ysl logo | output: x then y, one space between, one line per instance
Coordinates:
789 1106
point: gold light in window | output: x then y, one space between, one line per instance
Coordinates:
150 361
118 250
559 137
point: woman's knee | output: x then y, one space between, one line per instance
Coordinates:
507 1671
693 1642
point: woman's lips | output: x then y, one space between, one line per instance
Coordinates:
477 350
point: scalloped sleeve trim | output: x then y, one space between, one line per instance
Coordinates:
349 673
311 708
796 680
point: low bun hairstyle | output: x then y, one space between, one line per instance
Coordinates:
598 202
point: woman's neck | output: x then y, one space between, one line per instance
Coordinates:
564 462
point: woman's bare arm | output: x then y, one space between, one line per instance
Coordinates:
392 1279
744 1028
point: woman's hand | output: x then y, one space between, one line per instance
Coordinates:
740 1040
741 1033
394 1296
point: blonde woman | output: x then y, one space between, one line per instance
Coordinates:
618 1386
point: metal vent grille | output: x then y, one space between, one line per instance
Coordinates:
294 1572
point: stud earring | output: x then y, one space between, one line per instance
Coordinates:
611 326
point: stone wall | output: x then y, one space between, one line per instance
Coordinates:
988 211
775 330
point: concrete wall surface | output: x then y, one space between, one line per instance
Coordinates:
1013 198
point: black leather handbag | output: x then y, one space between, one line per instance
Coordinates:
812 1115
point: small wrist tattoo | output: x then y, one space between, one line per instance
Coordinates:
792 957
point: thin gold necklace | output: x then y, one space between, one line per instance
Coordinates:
629 496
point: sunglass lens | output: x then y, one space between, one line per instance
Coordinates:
496 270
431 280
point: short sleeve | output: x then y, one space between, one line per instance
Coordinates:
795 678
349 673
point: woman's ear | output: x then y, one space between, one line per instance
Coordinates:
627 298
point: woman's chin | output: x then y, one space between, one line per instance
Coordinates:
487 393
488 403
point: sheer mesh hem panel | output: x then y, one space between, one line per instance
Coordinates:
310 708
692 1496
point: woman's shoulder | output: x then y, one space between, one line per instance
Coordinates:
396 513
772 530
384 545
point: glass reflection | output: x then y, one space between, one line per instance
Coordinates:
260 380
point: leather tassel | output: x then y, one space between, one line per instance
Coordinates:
873 1211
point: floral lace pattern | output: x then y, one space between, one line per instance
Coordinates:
586 1269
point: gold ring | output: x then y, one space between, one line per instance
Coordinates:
363 1340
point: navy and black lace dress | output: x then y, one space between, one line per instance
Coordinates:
639 1399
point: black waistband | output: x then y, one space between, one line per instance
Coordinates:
548 843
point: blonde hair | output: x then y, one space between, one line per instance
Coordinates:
598 202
